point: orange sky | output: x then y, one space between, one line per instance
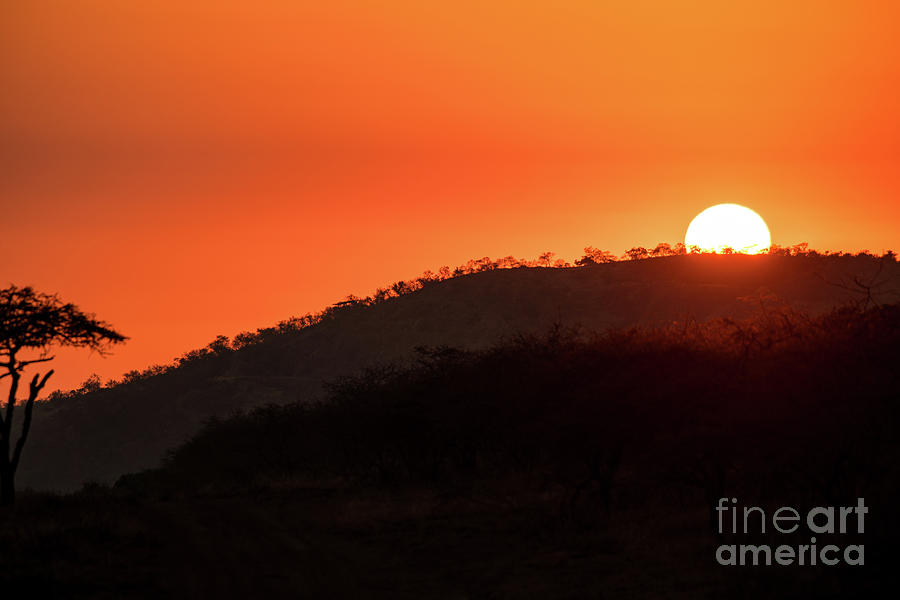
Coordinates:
198 167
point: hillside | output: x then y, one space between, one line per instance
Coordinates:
557 466
99 435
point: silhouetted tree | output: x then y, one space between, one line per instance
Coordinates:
662 249
593 256
800 249
34 322
637 253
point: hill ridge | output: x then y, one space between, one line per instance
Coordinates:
98 434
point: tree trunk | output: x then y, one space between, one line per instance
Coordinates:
7 471
7 484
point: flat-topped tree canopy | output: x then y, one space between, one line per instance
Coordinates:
38 321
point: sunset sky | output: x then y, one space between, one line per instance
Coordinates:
197 167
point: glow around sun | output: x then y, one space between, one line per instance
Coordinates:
728 226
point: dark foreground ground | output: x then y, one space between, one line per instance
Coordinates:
566 466
327 544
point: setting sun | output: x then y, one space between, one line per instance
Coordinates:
728 226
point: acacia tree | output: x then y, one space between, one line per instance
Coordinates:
32 324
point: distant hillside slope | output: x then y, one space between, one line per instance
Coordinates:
100 435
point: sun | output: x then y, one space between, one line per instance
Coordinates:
728 226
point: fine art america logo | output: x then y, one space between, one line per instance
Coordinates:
820 520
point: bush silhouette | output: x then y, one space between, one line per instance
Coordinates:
695 409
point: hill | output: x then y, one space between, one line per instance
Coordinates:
568 465
100 433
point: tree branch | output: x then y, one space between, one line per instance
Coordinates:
34 389
6 422
25 363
